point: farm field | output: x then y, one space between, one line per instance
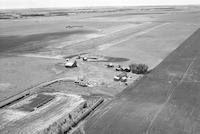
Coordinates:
166 97
36 44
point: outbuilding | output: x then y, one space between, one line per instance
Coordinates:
126 69
71 64
116 78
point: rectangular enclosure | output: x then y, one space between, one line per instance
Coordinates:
36 102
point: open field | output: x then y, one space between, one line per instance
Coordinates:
166 101
33 46
35 43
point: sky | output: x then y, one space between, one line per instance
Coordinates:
4 4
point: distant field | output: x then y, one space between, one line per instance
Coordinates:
130 14
22 43
32 46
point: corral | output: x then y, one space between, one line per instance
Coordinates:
33 102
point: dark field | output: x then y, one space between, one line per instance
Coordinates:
22 43
38 101
166 101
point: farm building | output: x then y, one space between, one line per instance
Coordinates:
123 77
71 64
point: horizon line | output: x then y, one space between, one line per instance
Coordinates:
70 7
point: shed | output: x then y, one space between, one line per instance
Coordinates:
126 69
71 64
116 78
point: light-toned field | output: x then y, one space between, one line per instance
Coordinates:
32 49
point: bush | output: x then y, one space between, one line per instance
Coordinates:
142 69
133 68
139 68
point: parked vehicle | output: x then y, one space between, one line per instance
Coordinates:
121 77
118 69
84 58
110 65
116 78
